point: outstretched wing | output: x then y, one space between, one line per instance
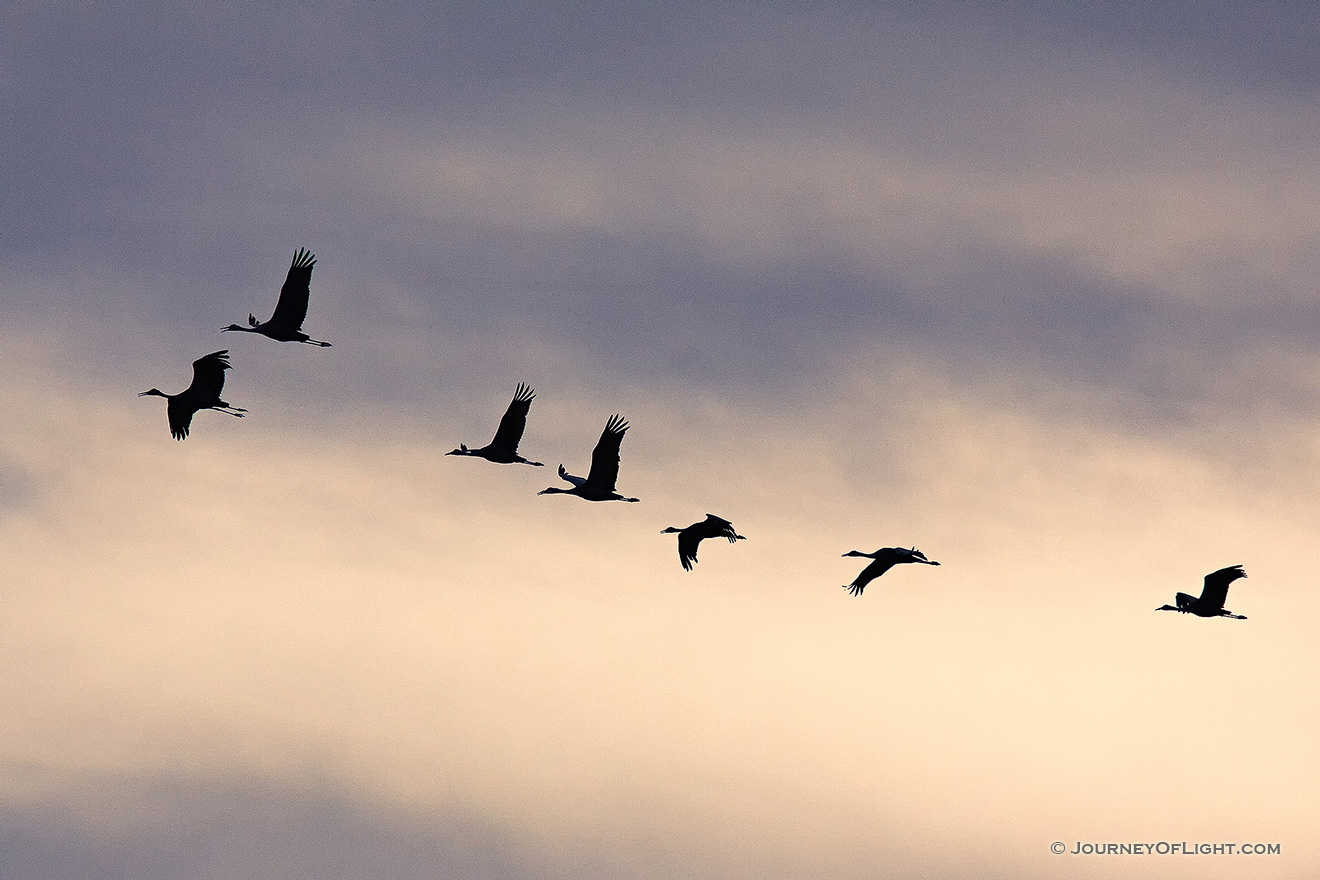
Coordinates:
208 377
868 574
292 307
1216 585
514 421
569 478
688 539
605 457
718 527
180 415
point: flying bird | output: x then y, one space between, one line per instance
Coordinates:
1211 601
599 484
504 448
885 559
688 539
204 393
285 325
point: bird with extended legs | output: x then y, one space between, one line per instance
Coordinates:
204 393
885 559
1214 592
688 538
599 484
285 324
504 448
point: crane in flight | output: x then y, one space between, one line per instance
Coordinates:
204 393
600 481
1211 601
688 539
885 559
285 325
504 448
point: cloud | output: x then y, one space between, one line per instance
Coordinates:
164 826
1114 222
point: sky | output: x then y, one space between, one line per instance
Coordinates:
1028 286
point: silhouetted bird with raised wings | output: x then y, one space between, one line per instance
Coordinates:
599 484
504 448
688 539
885 559
1211 601
204 393
285 325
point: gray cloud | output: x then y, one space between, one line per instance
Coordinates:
170 827
164 164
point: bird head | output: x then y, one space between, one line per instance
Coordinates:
156 392
553 490
1166 608
232 327
461 450
855 553
669 531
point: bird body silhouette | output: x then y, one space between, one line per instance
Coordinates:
204 393
885 559
688 539
600 481
1211 601
504 448
285 325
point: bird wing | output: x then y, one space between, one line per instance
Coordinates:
180 415
1216 585
688 539
870 573
605 457
718 527
208 378
291 310
514 421
569 478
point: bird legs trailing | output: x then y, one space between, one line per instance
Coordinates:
1211 601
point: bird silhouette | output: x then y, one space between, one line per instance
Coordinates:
204 393
885 559
1211 601
504 448
599 484
688 539
285 325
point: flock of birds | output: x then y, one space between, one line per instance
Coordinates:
600 483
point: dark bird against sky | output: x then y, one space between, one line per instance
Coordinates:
504 448
204 393
599 484
688 539
1211 601
885 559
285 325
